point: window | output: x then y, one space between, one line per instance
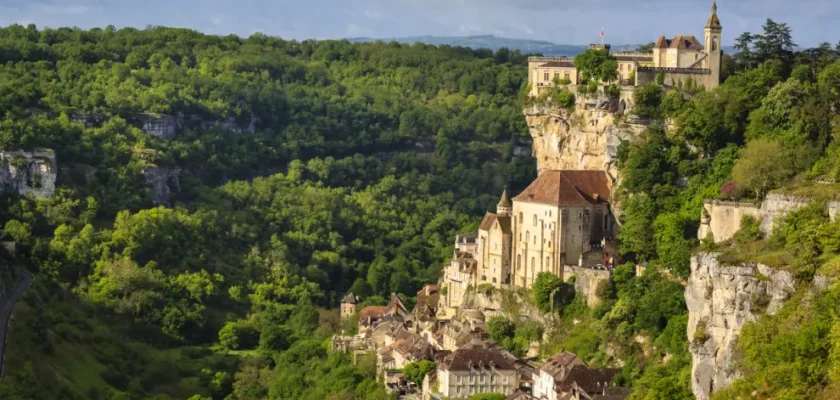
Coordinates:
545 76
533 265
556 75
521 218
547 261
621 67
714 43
566 75
527 236
535 219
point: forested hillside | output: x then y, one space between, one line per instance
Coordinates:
364 162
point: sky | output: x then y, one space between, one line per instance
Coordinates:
558 21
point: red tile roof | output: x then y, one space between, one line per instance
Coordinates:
568 188
374 312
688 42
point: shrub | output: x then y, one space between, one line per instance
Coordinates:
749 230
544 285
730 190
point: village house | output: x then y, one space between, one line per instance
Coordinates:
494 239
467 372
680 58
565 377
349 305
459 276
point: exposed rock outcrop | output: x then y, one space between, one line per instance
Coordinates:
587 281
720 300
28 172
163 182
231 125
585 138
162 126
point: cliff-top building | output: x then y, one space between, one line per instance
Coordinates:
680 58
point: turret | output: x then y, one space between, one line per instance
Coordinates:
712 32
503 209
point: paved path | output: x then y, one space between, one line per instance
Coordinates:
7 305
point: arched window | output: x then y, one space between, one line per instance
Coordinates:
535 239
547 261
533 265
714 43
527 236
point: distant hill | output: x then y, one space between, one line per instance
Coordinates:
488 42
494 43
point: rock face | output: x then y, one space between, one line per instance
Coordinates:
28 172
587 281
231 125
163 126
586 138
163 183
720 300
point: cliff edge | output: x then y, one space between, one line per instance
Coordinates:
584 138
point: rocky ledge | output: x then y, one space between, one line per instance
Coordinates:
28 172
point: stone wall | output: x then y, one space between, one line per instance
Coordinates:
723 218
720 300
28 172
646 75
587 281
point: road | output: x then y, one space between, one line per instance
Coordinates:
7 305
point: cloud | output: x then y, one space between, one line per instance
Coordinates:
218 19
373 15
70 9
357 30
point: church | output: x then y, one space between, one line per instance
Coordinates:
562 218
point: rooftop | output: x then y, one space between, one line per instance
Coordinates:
464 359
564 187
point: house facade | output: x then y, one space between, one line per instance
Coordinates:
468 372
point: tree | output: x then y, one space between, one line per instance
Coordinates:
743 46
545 284
500 328
647 48
646 100
761 167
488 396
597 64
416 371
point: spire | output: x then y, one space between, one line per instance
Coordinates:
714 21
505 200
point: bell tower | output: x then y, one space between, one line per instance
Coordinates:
713 43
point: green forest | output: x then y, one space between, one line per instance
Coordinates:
365 161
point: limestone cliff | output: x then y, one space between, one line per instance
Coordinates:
585 138
163 182
720 300
587 282
28 172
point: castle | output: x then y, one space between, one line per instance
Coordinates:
679 59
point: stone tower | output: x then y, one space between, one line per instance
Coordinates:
504 207
713 43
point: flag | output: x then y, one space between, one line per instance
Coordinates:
602 32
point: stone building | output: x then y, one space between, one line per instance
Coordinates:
348 305
557 219
680 58
494 243
458 277
565 376
468 372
